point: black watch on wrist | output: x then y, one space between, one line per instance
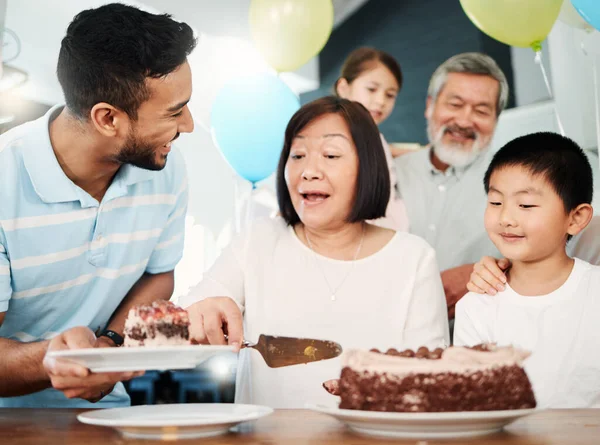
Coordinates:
113 336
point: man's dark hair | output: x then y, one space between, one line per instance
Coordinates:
557 158
108 52
373 181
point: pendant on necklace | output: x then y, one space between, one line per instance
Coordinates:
333 297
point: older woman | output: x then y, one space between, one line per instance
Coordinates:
320 270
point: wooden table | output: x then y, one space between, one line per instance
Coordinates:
290 427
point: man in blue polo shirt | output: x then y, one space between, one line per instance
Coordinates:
93 201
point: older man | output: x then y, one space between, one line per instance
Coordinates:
442 186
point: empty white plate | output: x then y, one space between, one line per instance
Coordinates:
158 358
423 425
177 421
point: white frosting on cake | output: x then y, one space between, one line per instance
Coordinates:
454 359
133 320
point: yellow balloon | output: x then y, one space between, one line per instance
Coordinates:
524 23
288 33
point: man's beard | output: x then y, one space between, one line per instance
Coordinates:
456 155
141 154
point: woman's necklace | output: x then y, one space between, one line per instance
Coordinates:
334 290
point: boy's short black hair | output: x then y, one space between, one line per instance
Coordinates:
557 158
108 53
373 186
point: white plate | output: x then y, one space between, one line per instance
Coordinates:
177 421
423 425
158 358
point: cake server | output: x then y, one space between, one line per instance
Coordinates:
286 351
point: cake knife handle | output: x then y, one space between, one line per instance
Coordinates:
245 343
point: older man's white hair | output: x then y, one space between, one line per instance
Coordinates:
470 63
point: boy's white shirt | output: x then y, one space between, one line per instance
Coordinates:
561 329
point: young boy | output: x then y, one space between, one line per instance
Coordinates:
539 191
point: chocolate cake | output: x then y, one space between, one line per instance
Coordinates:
160 324
483 378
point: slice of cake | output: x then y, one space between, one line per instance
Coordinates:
160 324
483 378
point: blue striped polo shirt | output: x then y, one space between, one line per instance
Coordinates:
67 260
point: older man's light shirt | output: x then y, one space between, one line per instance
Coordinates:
446 208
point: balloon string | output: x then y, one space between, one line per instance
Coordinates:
596 99
247 229
538 60
248 216
237 200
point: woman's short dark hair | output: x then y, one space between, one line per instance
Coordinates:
108 53
364 59
373 181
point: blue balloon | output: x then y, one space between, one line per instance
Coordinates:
589 10
248 121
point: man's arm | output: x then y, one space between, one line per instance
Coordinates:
25 368
21 370
149 288
158 282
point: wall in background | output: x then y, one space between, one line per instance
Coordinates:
528 82
573 82
2 16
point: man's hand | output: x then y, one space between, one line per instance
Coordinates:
489 275
213 318
400 148
455 285
76 381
